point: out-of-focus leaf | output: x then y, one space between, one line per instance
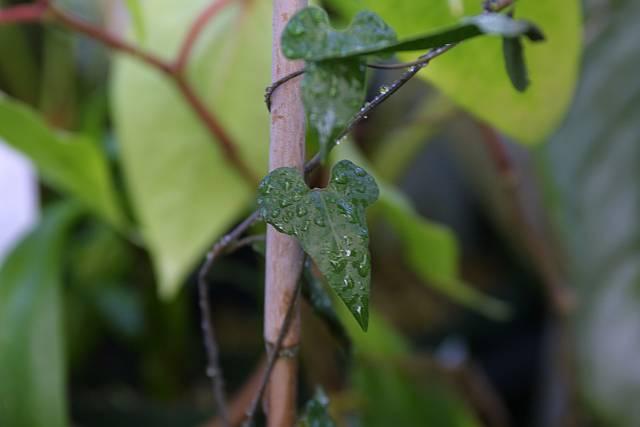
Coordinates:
69 163
472 74
184 191
316 412
431 250
330 224
594 165
308 35
515 63
393 397
137 19
332 92
32 368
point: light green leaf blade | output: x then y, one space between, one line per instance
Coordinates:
183 190
32 367
309 36
137 19
69 163
332 92
431 250
316 412
330 225
473 75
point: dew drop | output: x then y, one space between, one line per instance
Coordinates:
275 213
383 90
319 221
301 211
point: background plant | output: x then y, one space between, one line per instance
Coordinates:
185 191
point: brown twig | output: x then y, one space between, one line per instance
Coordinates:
195 29
560 297
213 364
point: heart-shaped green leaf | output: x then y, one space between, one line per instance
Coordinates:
330 224
309 36
333 92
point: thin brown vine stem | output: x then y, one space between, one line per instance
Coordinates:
195 30
23 13
214 372
275 85
560 298
272 356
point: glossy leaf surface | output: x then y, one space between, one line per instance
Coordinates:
333 92
330 224
309 36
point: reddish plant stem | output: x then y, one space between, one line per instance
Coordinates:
23 13
43 9
194 31
559 296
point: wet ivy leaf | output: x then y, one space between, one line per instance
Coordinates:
316 412
333 92
309 36
316 295
514 62
330 224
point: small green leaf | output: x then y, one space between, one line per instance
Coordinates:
137 20
32 367
316 412
330 224
71 164
514 62
309 36
333 92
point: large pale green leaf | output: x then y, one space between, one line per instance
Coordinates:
594 165
184 191
329 223
71 164
431 249
32 367
473 74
